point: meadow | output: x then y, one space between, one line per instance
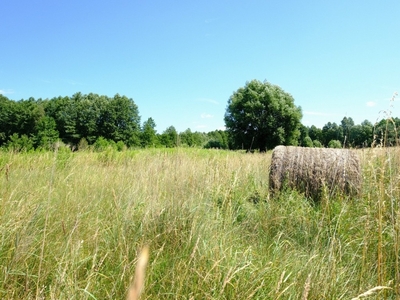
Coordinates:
72 225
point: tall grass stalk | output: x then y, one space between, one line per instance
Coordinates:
72 225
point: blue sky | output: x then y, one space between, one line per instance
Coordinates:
180 61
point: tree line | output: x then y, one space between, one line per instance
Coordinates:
85 120
259 116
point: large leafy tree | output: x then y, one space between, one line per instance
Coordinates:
64 111
121 121
261 115
18 117
92 116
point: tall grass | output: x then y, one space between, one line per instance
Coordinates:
72 225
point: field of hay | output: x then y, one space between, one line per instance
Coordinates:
72 224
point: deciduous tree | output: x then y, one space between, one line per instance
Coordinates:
149 134
261 115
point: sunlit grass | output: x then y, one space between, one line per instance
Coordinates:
72 225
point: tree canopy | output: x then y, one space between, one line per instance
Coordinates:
261 115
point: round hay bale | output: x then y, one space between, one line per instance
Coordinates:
311 170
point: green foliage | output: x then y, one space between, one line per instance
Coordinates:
349 134
347 125
18 118
334 144
303 134
92 116
20 143
148 135
169 138
307 142
186 138
315 133
46 133
331 131
386 132
64 111
6 119
363 136
218 139
192 139
120 121
120 146
262 116
103 144
214 144
89 109
317 144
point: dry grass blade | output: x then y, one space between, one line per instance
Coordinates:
138 282
307 287
371 292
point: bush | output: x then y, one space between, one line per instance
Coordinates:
317 144
101 144
19 144
83 144
120 146
308 142
214 144
335 144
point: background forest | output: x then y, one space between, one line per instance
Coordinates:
91 120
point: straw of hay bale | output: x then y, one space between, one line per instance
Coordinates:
310 170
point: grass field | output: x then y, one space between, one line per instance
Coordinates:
72 224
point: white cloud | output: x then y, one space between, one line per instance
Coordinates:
206 116
371 103
212 101
4 92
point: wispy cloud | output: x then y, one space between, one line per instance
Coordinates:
212 101
6 91
371 103
206 116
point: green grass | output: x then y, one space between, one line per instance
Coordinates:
72 224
